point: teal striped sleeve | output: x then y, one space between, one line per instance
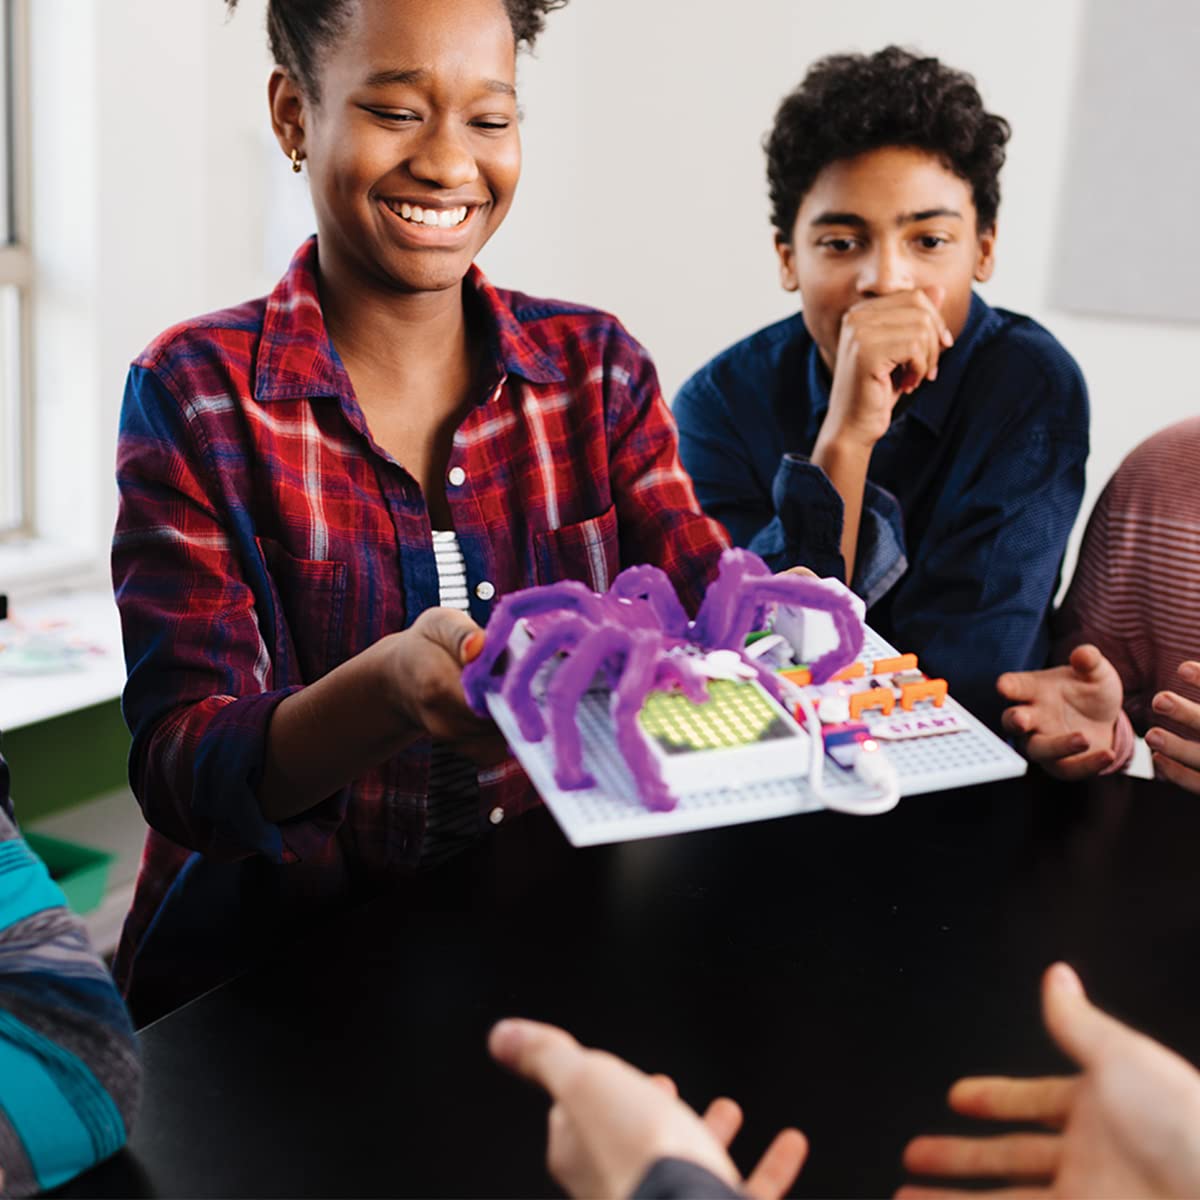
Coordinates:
69 1069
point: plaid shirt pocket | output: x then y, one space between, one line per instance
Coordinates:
587 551
310 597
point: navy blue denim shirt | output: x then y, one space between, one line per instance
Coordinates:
970 497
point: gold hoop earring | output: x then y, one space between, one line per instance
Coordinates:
295 160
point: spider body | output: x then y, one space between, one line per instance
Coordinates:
638 639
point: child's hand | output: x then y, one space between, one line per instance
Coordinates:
1066 715
888 346
423 669
1128 1126
610 1123
1178 758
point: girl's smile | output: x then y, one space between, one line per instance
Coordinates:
432 224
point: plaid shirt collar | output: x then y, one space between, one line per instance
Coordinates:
296 358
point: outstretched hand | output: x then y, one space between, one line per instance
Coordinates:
1178 758
1066 715
609 1122
1128 1126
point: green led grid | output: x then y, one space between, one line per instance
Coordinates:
735 714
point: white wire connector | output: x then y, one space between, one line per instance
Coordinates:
871 766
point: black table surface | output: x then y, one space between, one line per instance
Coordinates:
830 972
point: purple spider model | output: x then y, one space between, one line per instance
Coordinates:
639 636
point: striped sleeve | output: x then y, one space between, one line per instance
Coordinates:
1136 590
69 1070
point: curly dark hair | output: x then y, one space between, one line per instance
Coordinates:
849 104
299 30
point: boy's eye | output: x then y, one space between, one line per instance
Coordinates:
493 124
839 245
931 241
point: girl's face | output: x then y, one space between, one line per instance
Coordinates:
412 149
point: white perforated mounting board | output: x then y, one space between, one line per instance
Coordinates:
612 812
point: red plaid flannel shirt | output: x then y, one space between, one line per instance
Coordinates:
263 538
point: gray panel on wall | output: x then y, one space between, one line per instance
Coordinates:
1129 234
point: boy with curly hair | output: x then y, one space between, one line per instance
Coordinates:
899 432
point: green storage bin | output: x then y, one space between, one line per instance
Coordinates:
81 871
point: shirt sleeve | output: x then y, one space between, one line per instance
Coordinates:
1097 593
70 1074
199 695
978 600
659 517
798 522
680 1179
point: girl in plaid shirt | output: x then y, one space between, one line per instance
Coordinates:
283 467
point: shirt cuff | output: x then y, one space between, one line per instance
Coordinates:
229 769
681 1179
811 513
1124 741
881 560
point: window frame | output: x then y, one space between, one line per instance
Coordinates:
17 268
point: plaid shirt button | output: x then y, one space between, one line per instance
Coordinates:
496 816
457 477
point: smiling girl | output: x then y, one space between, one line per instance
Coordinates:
311 483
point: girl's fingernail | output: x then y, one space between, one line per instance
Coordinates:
1164 702
1190 671
1154 739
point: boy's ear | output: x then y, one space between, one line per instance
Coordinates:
985 262
787 264
287 111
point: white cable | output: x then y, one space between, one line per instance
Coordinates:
871 766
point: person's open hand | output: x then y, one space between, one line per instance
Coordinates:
1178 758
1066 715
609 1122
1128 1126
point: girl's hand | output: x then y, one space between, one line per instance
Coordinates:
1066 715
422 670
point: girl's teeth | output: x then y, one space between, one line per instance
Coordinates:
433 218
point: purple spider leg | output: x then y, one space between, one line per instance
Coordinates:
644 671
530 602
518 683
653 585
564 693
722 602
802 592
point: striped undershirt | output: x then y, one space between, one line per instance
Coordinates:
452 822
1136 590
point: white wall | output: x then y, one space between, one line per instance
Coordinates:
643 190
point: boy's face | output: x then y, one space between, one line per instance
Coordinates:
891 220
